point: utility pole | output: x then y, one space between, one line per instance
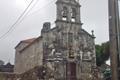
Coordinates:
114 37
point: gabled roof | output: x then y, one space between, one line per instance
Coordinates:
26 41
35 39
88 33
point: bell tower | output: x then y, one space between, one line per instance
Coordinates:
68 11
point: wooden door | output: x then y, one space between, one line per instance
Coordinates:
71 71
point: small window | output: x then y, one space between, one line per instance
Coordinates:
71 54
70 37
45 45
64 39
73 15
64 13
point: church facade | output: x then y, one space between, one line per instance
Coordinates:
67 50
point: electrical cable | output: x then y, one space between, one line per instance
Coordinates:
28 11
35 11
42 7
23 14
13 25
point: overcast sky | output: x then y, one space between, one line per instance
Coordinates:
94 15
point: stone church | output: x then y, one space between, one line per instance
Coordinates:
67 50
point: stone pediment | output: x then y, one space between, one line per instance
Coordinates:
73 2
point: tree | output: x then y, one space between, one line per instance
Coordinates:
102 53
107 74
1 62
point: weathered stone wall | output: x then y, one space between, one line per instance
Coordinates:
8 76
32 56
68 35
37 74
18 56
82 45
29 57
32 74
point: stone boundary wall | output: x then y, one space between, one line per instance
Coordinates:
8 76
37 74
33 74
